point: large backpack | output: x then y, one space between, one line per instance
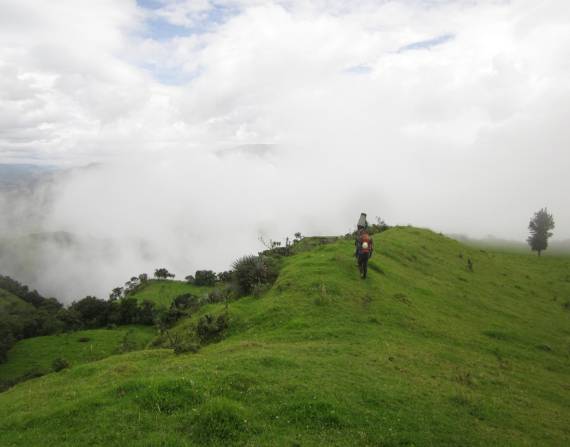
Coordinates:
364 243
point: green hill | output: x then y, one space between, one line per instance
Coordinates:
163 292
423 352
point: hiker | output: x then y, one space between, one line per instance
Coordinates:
364 247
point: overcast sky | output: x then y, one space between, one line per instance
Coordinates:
451 115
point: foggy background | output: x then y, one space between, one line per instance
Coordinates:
174 133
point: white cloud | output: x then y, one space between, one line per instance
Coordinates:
462 134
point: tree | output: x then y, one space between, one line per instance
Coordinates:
540 225
162 273
189 279
116 293
93 312
129 311
143 277
205 278
225 276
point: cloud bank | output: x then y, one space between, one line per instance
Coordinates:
450 115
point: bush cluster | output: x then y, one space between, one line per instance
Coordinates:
205 278
251 271
210 328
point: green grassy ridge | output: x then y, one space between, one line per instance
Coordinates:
36 355
163 292
423 352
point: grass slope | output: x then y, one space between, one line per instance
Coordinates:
163 292
35 355
424 352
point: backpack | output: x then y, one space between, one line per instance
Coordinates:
364 243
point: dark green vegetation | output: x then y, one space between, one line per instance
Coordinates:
426 351
25 313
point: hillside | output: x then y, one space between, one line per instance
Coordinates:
423 352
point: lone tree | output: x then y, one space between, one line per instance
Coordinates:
540 226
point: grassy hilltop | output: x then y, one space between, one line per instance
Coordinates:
423 352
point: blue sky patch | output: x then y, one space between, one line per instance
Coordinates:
427 44
159 28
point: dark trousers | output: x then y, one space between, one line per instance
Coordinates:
363 263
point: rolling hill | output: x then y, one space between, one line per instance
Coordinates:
424 352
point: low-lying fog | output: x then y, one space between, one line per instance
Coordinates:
89 229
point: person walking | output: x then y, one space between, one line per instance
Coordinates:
364 246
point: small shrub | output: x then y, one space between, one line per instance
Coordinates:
186 301
250 271
220 295
211 328
59 364
167 318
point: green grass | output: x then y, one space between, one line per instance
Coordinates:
423 352
35 355
163 292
